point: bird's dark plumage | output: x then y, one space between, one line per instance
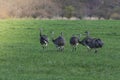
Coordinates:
74 41
92 43
43 39
96 43
59 42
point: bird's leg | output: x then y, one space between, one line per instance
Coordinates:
88 48
96 51
43 47
62 48
75 48
58 49
72 47
46 45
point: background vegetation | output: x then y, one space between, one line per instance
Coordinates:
60 8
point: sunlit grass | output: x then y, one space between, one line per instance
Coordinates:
22 57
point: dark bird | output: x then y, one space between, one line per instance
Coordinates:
74 42
43 40
92 43
85 41
59 42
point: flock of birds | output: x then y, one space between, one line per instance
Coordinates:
59 42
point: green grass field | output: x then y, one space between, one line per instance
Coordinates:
22 57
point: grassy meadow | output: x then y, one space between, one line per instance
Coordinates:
22 57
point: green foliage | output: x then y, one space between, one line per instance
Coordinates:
22 57
69 11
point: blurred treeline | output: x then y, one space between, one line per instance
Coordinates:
107 9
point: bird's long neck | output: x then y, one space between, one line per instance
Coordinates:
79 36
40 32
53 40
52 34
87 34
80 42
61 34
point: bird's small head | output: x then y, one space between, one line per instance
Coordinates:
41 31
79 36
87 33
61 33
73 35
52 33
